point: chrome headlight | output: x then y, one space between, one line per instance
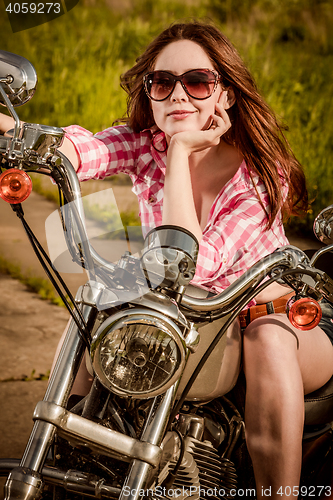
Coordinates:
138 353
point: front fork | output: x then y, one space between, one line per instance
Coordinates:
25 482
153 433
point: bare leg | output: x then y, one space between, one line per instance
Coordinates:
277 376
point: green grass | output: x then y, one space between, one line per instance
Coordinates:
288 45
50 192
28 378
35 284
108 216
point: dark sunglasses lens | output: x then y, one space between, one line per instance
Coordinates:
199 84
159 85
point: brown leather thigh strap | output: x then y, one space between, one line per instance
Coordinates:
275 306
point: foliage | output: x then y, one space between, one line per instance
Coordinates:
110 220
34 284
288 45
28 378
50 192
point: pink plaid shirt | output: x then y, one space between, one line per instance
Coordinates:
234 237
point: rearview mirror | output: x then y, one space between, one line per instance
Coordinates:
18 78
323 226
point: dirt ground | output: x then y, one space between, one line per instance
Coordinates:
30 331
30 327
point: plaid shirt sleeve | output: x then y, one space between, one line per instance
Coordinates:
112 151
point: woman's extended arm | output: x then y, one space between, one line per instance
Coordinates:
67 148
6 123
178 203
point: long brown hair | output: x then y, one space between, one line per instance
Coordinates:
255 131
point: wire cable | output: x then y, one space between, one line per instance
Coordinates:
45 262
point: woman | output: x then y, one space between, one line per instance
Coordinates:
205 152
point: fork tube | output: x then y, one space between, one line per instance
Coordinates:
57 392
152 433
25 482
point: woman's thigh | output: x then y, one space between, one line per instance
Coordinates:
312 349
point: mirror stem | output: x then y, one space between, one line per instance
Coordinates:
10 109
320 252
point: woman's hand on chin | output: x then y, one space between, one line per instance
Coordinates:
193 141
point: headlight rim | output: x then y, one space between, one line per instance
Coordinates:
132 315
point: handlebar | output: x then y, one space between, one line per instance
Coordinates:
286 257
74 194
61 169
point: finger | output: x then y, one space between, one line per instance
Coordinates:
209 124
223 98
222 121
225 104
220 109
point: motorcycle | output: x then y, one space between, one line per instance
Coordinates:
164 416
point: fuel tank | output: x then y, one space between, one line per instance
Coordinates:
220 372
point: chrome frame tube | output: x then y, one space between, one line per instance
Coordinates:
71 480
11 110
74 188
97 437
57 392
153 433
319 253
284 257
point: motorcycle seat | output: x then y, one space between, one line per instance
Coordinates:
319 405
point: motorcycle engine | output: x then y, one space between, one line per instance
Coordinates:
193 467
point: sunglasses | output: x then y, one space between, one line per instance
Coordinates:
197 83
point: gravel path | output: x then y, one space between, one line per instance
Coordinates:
29 334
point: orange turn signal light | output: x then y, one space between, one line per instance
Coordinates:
15 185
304 313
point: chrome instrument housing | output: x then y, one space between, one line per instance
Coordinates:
169 256
41 139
